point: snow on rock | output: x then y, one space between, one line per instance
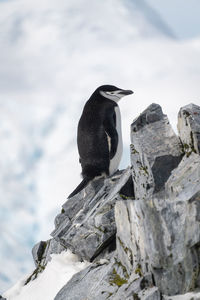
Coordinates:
189 296
56 274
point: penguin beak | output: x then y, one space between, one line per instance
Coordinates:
125 92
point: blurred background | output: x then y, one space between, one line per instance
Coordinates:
53 55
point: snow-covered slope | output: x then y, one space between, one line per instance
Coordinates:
53 55
58 271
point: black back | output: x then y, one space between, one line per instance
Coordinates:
97 121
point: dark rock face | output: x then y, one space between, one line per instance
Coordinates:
162 169
140 228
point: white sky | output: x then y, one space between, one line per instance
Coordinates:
182 16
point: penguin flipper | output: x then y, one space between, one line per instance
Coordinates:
81 186
110 129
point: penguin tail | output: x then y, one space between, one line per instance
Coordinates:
81 186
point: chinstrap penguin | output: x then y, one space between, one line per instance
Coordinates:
99 135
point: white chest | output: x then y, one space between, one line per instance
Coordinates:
115 161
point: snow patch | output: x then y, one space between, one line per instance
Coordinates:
56 274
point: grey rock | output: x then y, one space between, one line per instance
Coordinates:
140 228
189 128
152 114
87 225
126 248
91 283
42 251
106 281
159 232
181 229
38 251
184 181
155 151
42 255
134 287
150 294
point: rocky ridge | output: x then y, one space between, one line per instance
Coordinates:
139 228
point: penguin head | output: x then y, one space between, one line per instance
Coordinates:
112 92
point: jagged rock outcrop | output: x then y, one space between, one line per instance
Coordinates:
189 128
140 228
163 236
86 224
